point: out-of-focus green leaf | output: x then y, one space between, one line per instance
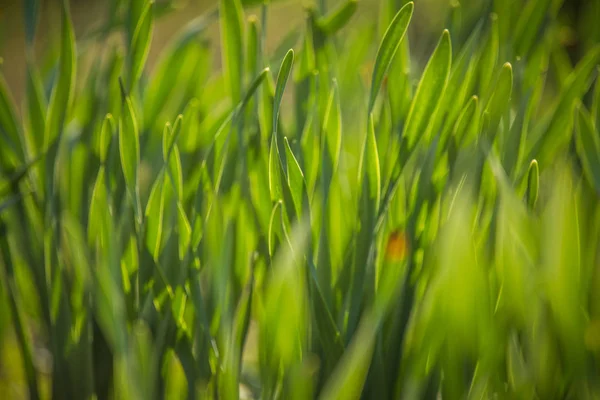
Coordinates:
231 22
129 150
467 124
282 78
11 150
553 132
185 231
31 12
500 100
274 172
588 147
36 109
527 27
62 93
140 43
332 126
489 57
99 215
337 18
295 178
372 165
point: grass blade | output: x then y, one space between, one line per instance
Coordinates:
140 43
233 48
387 49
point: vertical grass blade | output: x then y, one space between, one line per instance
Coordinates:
140 43
129 150
62 93
230 17
588 147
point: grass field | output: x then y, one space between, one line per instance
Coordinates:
386 199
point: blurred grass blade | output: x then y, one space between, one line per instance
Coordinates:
530 20
373 171
140 43
337 18
62 93
588 147
428 94
332 126
274 172
295 178
500 100
185 231
31 13
552 133
11 150
467 124
230 18
129 150
387 49
489 57
282 78
36 109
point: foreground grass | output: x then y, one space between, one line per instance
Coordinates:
334 220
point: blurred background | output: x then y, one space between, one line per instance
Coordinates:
90 16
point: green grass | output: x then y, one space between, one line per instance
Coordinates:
338 219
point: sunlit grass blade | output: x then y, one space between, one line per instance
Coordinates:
282 77
387 49
430 90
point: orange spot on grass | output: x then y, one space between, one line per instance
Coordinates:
397 246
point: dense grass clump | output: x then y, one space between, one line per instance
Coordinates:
334 220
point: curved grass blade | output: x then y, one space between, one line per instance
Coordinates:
467 125
387 49
533 184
